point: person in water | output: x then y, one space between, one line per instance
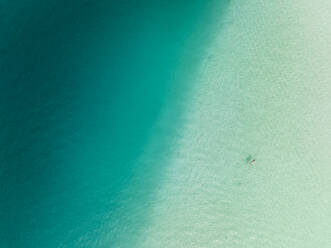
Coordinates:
252 162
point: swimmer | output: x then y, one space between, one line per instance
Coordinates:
252 162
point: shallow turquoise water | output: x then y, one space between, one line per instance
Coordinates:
261 90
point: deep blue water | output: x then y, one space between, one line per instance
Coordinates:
81 85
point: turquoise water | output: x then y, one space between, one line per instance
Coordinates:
129 124
82 85
261 90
